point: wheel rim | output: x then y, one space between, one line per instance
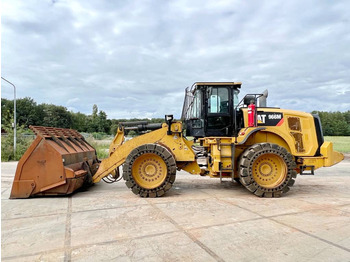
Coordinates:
269 170
149 171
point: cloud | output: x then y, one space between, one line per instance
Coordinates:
73 101
134 59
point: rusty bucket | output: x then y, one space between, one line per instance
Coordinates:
58 162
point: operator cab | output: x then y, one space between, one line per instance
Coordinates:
209 109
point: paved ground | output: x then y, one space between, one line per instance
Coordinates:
198 220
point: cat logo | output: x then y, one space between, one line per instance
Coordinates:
261 118
270 118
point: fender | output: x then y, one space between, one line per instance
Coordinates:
251 133
288 141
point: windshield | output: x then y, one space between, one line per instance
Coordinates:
218 100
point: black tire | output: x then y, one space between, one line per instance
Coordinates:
274 155
168 177
237 179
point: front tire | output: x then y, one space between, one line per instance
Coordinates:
149 170
267 170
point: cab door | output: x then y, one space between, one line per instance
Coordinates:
219 120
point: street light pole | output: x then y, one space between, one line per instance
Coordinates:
14 118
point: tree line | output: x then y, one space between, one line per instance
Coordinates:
335 123
31 113
28 112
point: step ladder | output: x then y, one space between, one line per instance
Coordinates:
232 156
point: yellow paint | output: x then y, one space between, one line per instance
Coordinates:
117 141
192 168
328 157
280 135
219 148
149 171
269 170
331 157
176 143
217 83
283 132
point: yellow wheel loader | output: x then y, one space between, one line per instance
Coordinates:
263 148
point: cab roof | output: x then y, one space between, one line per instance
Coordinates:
238 84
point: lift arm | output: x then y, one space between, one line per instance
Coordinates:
174 141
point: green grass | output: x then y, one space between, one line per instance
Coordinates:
340 143
101 146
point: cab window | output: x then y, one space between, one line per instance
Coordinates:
197 105
218 100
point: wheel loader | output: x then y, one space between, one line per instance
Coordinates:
261 147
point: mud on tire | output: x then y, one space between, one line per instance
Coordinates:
161 166
267 170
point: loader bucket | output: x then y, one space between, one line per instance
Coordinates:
58 162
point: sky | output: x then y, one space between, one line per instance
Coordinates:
134 59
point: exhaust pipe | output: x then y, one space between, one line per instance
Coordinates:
263 98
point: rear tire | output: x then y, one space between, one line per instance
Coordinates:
149 170
267 170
